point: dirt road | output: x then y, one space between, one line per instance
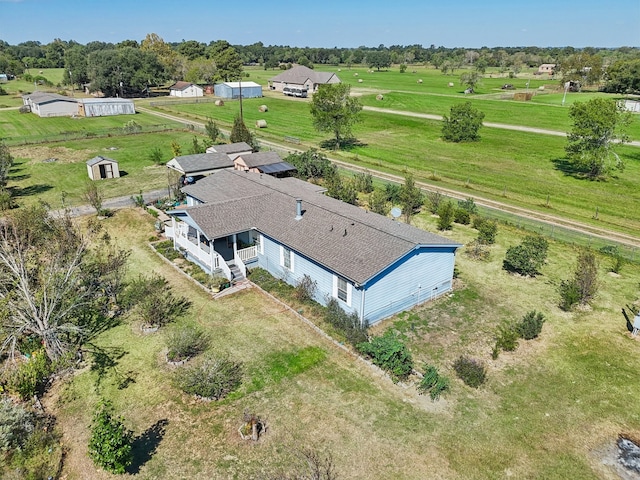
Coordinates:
590 230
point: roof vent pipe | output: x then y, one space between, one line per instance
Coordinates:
298 209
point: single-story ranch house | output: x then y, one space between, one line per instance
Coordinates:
199 164
185 89
302 77
232 90
371 264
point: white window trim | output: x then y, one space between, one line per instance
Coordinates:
291 256
335 290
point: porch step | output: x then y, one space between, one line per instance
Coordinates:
236 273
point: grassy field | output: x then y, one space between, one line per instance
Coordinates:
16 88
551 409
35 177
521 168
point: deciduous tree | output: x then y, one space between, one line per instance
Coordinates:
334 110
53 284
463 123
411 198
598 125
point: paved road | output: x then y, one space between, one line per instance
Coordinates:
117 202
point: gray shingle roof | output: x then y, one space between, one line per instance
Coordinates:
99 159
202 162
344 238
231 148
299 74
45 97
258 159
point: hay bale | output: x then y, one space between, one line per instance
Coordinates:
263 108
359 80
219 103
261 124
451 84
419 80
379 97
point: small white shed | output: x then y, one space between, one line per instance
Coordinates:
102 167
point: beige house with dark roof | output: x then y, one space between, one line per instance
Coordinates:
264 162
302 77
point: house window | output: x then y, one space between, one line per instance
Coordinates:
342 289
286 258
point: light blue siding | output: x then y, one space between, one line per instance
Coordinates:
423 274
270 261
227 91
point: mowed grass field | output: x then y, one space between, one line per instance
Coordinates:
551 409
525 169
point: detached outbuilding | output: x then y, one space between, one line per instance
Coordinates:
232 90
102 167
50 104
185 90
103 107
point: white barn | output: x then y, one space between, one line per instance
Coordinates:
185 90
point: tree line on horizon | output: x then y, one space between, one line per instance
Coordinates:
130 67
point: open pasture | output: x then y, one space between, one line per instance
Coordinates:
521 168
551 409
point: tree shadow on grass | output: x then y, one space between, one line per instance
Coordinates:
30 190
145 445
565 166
105 361
346 144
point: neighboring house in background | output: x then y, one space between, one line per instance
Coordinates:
370 264
264 162
103 107
232 90
546 69
193 167
302 77
102 167
185 89
233 150
46 104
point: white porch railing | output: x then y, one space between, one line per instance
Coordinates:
247 253
203 253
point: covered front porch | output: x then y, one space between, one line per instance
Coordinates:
227 256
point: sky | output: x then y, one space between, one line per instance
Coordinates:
329 23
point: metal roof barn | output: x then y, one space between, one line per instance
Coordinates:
232 90
102 107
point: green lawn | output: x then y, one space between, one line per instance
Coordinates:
18 128
548 409
515 167
33 178
16 88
